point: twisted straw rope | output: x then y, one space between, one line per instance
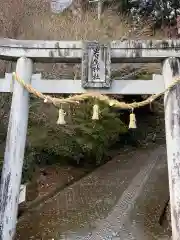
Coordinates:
84 96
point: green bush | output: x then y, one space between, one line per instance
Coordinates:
81 138
161 13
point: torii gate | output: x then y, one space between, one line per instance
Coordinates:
96 59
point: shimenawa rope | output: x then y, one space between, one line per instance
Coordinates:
81 97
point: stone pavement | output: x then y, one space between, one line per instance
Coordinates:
121 200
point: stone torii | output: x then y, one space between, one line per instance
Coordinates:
96 59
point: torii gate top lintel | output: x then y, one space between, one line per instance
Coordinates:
71 51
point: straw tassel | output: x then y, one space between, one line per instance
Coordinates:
95 115
61 120
132 121
150 105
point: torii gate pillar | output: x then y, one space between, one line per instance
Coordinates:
14 152
171 70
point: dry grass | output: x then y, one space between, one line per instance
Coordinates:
67 27
41 24
45 25
33 19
